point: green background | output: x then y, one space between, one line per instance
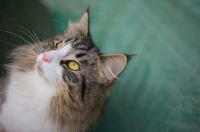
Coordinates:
159 91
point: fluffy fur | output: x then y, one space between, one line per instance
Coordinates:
41 94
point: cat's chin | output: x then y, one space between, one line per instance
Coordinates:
42 75
48 73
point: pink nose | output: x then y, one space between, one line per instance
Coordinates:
45 58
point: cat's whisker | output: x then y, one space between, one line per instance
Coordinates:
70 93
79 117
16 67
19 47
37 38
59 100
39 44
23 55
76 106
18 36
79 104
57 103
70 115
82 108
9 43
38 48
25 30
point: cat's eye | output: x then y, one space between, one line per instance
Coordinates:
59 45
72 65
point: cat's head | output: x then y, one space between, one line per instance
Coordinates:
74 60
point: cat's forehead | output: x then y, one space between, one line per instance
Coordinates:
78 42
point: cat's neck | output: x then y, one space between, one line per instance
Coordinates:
37 101
27 99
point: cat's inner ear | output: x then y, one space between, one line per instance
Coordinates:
83 25
113 64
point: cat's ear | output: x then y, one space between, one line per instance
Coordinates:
113 64
83 25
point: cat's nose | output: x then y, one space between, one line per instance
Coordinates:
46 58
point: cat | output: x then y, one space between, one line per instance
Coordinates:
58 85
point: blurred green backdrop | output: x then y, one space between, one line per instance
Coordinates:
159 91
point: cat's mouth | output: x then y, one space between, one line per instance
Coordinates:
47 72
39 64
40 70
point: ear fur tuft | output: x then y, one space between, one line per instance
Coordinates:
129 56
113 64
84 24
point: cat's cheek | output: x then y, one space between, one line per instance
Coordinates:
39 58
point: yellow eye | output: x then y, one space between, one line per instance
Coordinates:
59 45
72 65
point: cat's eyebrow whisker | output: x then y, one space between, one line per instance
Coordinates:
18 36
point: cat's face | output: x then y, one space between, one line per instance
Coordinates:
74 61
69 60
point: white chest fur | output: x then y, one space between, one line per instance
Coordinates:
26 108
